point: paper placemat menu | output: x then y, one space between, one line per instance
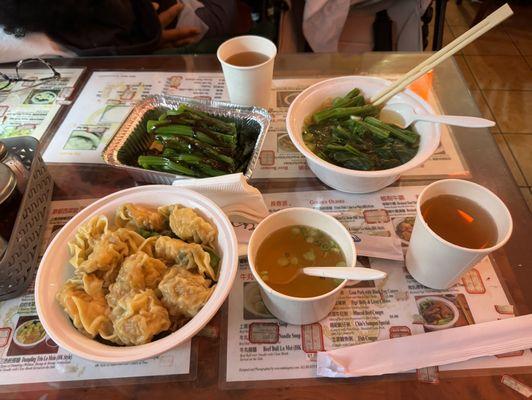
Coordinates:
259 347
107 99
44 361
28 110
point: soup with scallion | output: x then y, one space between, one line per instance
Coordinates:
284 252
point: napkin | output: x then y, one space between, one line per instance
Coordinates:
231 193
239 199
429 349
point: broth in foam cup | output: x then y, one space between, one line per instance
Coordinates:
300 310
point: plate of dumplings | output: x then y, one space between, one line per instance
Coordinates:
136 273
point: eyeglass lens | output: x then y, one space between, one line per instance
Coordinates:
4 81
26 70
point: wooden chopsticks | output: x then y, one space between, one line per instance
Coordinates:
456 45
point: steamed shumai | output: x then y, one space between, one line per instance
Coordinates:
145 277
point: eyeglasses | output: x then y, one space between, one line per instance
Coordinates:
25 72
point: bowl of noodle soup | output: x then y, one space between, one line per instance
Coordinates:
57 271
29 334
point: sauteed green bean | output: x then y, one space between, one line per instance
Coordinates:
190 142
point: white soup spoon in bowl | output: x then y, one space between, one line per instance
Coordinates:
403 115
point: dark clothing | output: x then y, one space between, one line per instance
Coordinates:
121 27
220 16
110 27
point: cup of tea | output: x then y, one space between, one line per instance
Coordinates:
457 224
247 64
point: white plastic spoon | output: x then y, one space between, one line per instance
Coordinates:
403 115
351 273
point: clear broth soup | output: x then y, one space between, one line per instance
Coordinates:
291 248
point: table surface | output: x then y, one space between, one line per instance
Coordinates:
487 168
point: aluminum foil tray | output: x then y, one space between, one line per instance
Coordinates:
131 139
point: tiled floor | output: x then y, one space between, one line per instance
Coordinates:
498 70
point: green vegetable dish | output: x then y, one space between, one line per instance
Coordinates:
190 142
346 132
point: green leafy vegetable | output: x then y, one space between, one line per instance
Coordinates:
348 134
190 142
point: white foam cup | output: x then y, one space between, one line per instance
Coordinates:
248 85
300 310
437 263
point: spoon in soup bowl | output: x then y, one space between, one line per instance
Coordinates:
351 273
403 115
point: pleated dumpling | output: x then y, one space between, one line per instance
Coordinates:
139 217
138 317
187 225
184 293
148 246
82 245
109 252
92 285
90 315
186 255
138 272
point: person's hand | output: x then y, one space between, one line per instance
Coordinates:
175 37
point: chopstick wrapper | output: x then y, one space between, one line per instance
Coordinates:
430 349
378 246
231 193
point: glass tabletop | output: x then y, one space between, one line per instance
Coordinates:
486 167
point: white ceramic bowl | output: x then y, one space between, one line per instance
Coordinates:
300 310
55 269
448 303
344 179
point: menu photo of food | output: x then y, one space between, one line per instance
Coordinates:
85 137
254 307
403 228
42 96
437 312
285 97
29 337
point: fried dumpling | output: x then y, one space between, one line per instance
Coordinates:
82 245
109 252
186 255
138 272
148 246
90 315
184 293
138 317
189 226
139 217
93 285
